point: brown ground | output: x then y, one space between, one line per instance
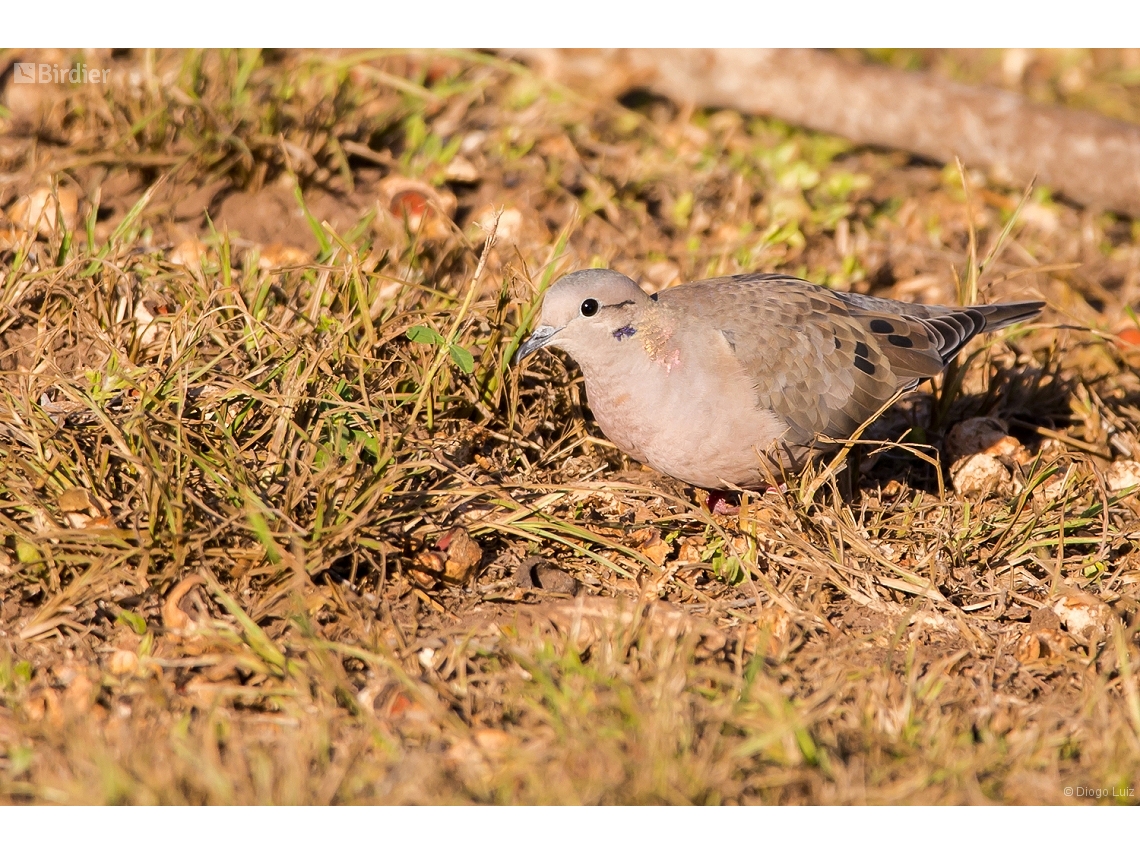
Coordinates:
266 538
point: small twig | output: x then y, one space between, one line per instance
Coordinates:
383 158
1086 447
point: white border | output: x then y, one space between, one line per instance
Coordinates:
570 23
552 831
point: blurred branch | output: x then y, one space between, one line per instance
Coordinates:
1089 158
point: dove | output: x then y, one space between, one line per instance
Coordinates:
732 383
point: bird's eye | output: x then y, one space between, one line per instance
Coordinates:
589 307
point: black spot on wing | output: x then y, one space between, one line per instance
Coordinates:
864 365
878 325
861 350
901 340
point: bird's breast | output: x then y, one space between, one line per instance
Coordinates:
691 413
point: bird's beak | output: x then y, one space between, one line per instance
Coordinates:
540 338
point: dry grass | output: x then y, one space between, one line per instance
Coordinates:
230 446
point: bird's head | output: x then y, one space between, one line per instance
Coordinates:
586 311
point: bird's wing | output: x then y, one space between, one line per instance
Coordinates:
822 363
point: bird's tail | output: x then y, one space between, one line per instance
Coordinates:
1001 315
952 328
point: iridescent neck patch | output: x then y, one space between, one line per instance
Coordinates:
625 332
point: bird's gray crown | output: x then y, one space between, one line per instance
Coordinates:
563 302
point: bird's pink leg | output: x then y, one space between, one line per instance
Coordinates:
718 503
